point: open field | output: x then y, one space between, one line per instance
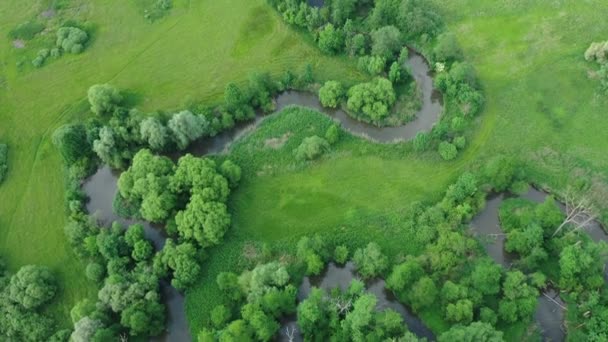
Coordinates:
189 55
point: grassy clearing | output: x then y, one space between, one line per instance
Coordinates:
189 55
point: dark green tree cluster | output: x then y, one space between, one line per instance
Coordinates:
71 39
23 299
373 99
351 315
191 196
3 162
254 303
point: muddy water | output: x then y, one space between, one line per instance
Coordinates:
550 316
101 189
341 276
316 3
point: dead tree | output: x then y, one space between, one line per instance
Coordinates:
343 306
124 338
290 332
579 212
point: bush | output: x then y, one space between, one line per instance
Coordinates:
370 261
421 141
373 99
447 48
597 52
331 94
26 31
373 65
71 39
341 254
332 135
3 162
447 151
331 40
311 148
95 272
460 142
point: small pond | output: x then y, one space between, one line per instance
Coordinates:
341 276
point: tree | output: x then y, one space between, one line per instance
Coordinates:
499 172
311 148
384 13
417 18
386 41
103 98
200 175
447 49
581 266
370 261
203 221
404 275
331 39
519 298
95 271
447 151
181 259
71 140
461 311
342 10
228 283
331 94
32 286
373 65
423 293
71 39
341 254
394 73
579 212
85 329
486 277
476 332
186 127
373 99
154 133
360 318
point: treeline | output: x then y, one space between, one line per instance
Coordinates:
378 33
24 297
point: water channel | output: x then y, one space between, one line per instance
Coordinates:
101 188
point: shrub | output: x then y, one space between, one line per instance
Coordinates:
460 142
332 135
597 52
341 254
311 148
447 48
3 162
373 99
421 141
331 94
26 31
95 272
373 65
447 151
71 39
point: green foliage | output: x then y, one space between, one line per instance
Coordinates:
72 142
447 48
311 148
313 253
154 133
3 162
203 221
332 135
421 141
519 298
447 151
373 65
582 265
475 332
26 31
32 286
71 39
386 41
186 127
341 254
331 39
373 99
103 98
331 93
95 272
370 261
231 172
597 52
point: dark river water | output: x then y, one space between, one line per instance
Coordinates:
336 276
549 314
102 186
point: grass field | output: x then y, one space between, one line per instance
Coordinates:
188 56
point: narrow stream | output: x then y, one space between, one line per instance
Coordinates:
549 313
102 186
336 276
